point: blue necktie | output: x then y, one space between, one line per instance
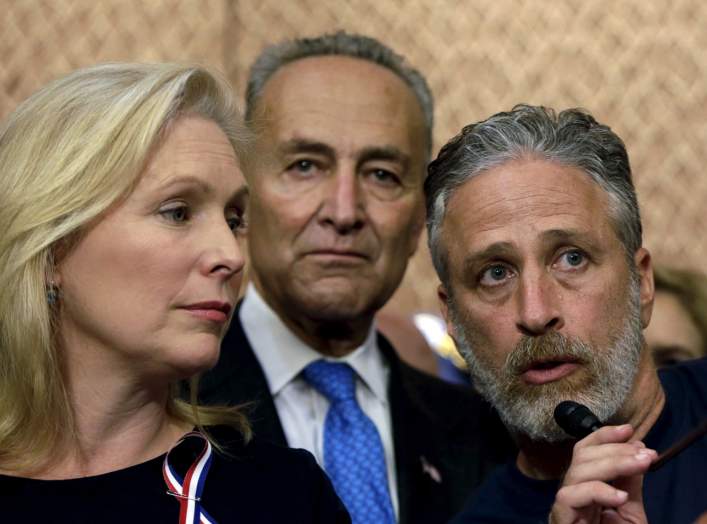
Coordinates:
353 451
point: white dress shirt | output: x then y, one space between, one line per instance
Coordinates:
301 408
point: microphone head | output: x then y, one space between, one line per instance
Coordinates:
576 419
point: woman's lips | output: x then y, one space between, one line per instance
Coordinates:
542 373
213 311
213 315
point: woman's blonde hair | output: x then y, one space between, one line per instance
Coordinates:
67 154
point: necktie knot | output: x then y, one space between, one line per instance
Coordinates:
335 380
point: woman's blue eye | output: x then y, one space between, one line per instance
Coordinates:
177 214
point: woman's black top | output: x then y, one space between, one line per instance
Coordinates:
255 483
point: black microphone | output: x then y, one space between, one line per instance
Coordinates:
576 419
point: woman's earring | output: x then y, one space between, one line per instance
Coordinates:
52 293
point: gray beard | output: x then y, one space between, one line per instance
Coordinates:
608 375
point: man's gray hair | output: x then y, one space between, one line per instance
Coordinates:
340 43
573 138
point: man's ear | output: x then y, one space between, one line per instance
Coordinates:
443 298
644 266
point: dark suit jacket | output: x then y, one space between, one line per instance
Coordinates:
436 424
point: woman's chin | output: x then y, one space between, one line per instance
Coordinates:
192 361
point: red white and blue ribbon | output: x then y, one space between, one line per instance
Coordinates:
188 490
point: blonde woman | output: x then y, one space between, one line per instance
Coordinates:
122 212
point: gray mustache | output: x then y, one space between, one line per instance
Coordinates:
545 348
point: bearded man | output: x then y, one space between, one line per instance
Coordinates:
535 232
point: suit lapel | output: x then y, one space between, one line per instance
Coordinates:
238 378
422 496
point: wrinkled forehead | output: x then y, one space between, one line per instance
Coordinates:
342 101
528 195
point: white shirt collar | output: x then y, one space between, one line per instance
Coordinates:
283 356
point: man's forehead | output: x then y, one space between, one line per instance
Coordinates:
343 98
526 197
325 68
331 75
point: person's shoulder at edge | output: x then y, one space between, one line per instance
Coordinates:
294 473
697 364
693 372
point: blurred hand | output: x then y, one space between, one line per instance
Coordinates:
604 482
702 519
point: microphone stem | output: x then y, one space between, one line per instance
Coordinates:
680 445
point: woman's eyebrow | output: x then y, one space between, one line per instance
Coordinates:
185 180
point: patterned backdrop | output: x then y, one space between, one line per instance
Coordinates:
638 65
